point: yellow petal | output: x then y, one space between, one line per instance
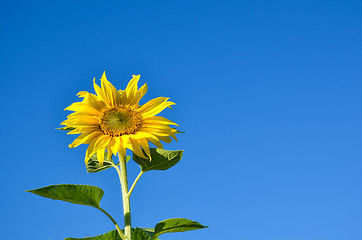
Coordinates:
89 151
81 94
173 134
75 131
115 144
157 132
85 118
166 128
132 88
101 142
137 148
157 143
145 147
118 98
152 104
81 107
112 141
157 109
85 137
159 120
109 91
140 93
126 141
80 130
155 106
129 92
142 134
165 139
122 152
100 94
100 156
81 115
109 155
92 100
80 123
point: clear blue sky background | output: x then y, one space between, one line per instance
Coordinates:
269 93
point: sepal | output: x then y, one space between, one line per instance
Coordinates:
159 159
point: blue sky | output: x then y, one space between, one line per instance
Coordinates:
268 93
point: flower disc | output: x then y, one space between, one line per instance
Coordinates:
119 121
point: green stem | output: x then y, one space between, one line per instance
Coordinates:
134 184
122 173
115 223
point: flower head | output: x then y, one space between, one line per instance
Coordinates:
112 121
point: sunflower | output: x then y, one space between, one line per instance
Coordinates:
112 121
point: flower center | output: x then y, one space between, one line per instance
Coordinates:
119 121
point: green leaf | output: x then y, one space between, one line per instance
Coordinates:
141 234
161 159
176 225
112 235
66 128
137 234
149 231
78 194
